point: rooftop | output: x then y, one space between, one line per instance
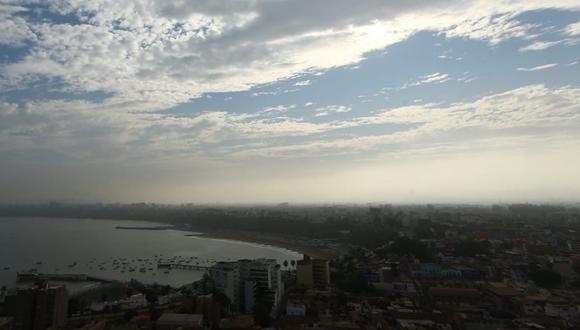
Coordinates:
177 319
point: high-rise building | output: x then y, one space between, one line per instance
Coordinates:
313 274
226 278
40 307
304 277
247 282
264 278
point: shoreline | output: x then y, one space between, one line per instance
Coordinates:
300 245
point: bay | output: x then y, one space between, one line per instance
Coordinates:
98 248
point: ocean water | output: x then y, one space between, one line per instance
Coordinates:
97 248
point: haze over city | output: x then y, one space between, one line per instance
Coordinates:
290 101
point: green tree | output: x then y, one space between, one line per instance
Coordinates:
408 246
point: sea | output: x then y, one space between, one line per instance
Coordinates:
98 248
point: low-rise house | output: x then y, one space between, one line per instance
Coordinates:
175 321
295 309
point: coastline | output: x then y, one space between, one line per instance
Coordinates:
303 245
296 244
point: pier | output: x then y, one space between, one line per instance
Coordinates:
61 277
176 265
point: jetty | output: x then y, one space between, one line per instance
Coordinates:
28 276
145 228
177 265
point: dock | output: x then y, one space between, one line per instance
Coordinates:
61 277
177 265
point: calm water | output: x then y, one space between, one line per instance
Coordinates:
95 247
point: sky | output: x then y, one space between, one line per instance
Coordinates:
300 101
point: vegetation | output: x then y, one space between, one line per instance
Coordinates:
472 248
412 247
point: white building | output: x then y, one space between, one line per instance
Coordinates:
243 280
265 275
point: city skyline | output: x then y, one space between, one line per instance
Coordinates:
290 101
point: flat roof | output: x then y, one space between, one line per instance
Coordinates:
177 318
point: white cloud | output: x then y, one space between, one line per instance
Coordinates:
493 29
529 132
538 68
15 30
303 83
326 110
8 109
573 29
158 54
264 93
152 55
91 131
540 45
434 78
278 108
534 107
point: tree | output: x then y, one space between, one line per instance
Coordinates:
407 246
472 248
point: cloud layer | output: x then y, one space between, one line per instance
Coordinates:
157 54
95 84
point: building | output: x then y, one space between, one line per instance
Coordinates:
209 307
40 307
247 282
262 280
428 270
304 275
295 309
501 295
226 278
239 322
6 323
313 274
455 296
175 321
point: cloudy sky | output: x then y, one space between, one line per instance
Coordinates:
290 100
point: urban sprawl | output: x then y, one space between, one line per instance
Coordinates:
364 267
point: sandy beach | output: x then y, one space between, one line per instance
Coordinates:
298 244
